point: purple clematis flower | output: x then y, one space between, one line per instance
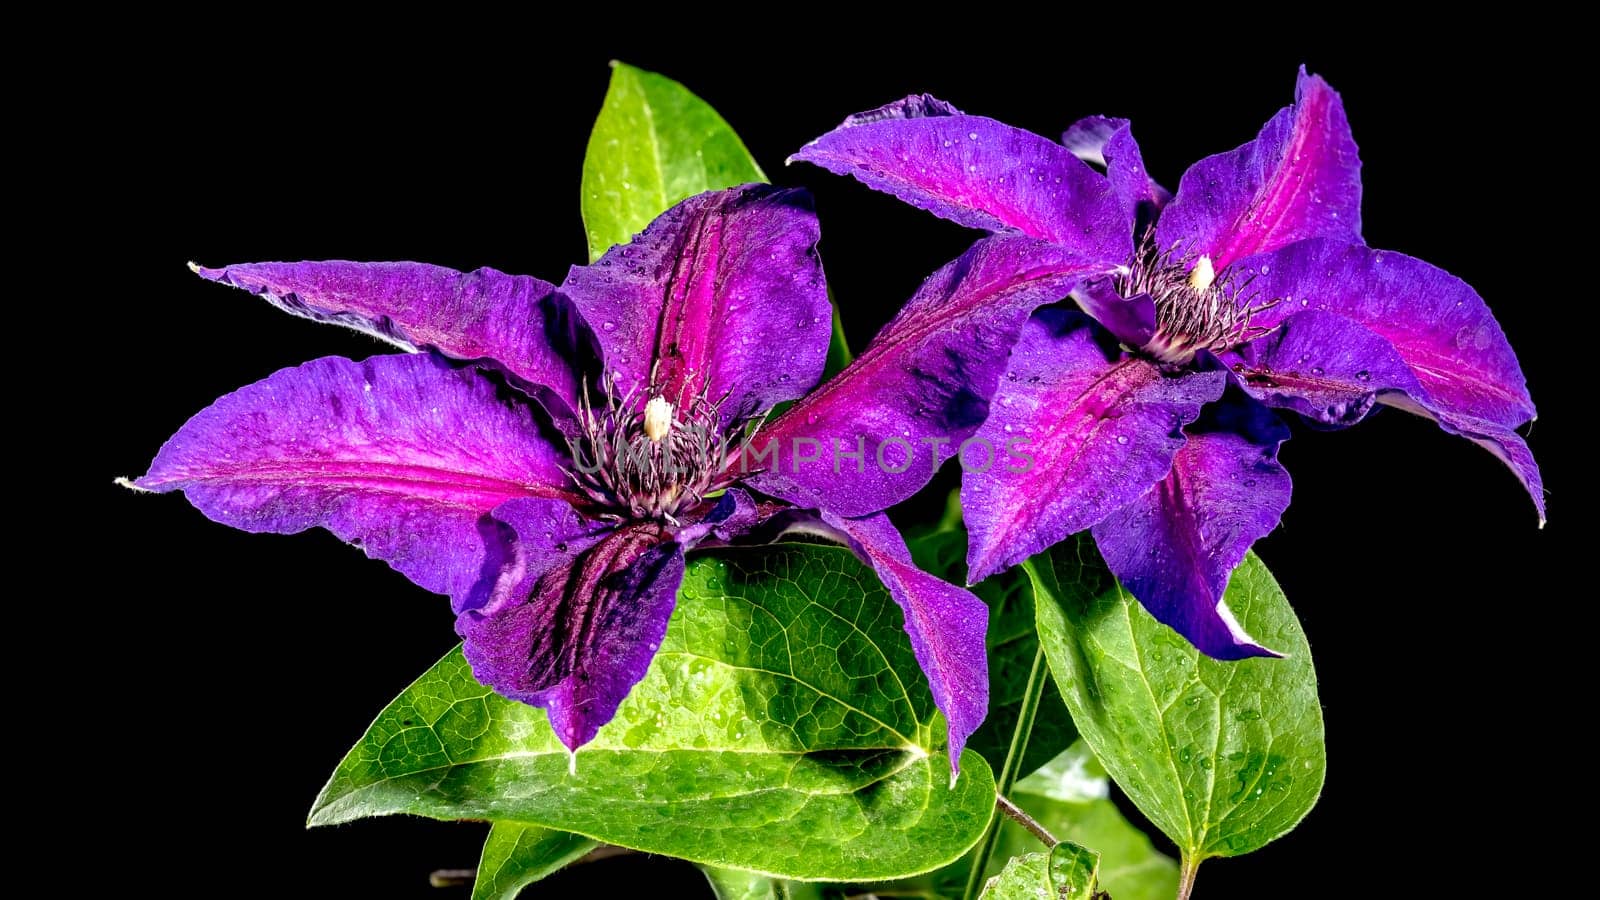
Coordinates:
551 453
1150 406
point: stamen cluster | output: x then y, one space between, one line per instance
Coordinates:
645 458
1196 309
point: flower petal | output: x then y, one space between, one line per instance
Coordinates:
543 533
1174 547
1323 366
1437 323
1109 143
722 293
1300 178
401 455
513 320
585 634
1332 370
1131 320
976 172
1085 429
946 624
905 404
734 515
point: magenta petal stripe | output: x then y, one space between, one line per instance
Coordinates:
1437 323
920 388
723 294
1300 178
1323 366
400 455
1098 428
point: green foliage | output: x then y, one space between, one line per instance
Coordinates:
654 144
1066 872
515 856
1222 756
783 728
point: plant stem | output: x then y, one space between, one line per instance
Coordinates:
1026 821
1191 867
1009 772
447 878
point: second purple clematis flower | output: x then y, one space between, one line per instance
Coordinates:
551 453
1149 406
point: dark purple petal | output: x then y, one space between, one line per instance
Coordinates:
1325 367
1080 430
976 172
1132 320
1109 143
584 636
541 534
919 389
1437 323
1505 444
946 624
722 293
513 320
1300 178
399 455
733 515
1174 547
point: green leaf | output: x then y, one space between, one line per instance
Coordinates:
653 145
516 855
1025 877
1067 872
839 354
1074 872
731 884
1069 797
783 728
1012 642
1222 756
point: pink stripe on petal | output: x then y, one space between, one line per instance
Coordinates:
1092 427
400 455
1300 178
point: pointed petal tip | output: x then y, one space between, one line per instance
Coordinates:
1306 81
1243 646
132 484
984 561
193 266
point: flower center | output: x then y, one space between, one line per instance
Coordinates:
1196 308
649 460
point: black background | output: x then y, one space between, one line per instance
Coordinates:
244 666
